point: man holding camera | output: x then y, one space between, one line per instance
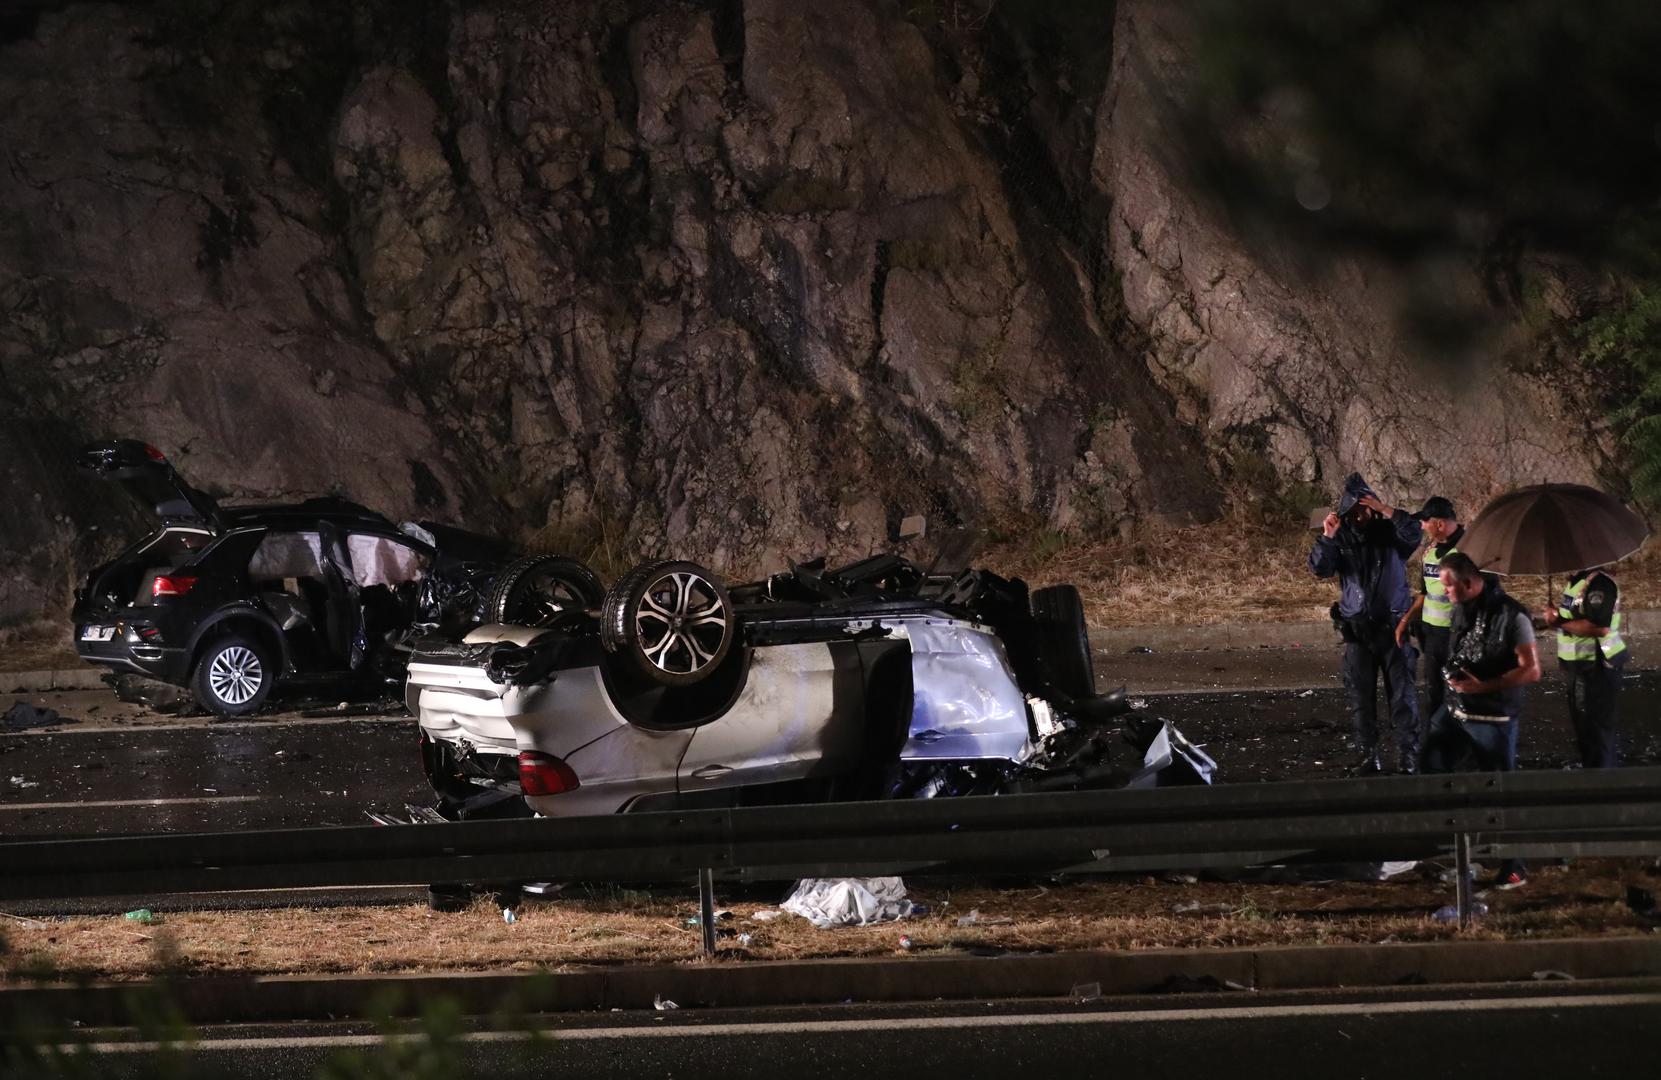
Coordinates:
1366 545
1492 657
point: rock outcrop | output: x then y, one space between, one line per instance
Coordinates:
1308 369
722 280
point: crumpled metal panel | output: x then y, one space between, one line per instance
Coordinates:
966 704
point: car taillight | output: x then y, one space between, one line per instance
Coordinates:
155 455
544 774
170 585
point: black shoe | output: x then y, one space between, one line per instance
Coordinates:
1367 765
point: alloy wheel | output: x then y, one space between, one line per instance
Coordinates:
235 675
681 623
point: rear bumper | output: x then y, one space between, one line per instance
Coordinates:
158 662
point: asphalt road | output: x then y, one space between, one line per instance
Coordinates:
196 775
108 768
1591 1032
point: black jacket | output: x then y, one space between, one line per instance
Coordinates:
1484 643
1370 561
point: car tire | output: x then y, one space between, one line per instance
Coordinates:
670 621
534 590
1063 641
234 675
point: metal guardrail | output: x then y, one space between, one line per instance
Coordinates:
1543 813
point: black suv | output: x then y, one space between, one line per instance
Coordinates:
231 600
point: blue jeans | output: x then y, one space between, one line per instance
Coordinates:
1450 741
1453 745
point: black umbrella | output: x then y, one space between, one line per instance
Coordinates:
1552 529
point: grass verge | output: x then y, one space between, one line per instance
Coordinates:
617 926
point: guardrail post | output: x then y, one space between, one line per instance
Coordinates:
706 909
1462 866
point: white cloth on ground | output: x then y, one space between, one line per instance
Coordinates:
828 902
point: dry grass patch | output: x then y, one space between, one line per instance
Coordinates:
1203 575
627 927
1234 573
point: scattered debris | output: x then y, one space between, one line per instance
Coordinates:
1194 907
905 941
509 916
1084 992
1450 875
1195 984
22 784
30 924
1449 913
1388 870
828 902
744 940
1553 975
766 914
140 915
547 890
159 696
1304 693
346 709
974 918
22 716
1143 649
663 1004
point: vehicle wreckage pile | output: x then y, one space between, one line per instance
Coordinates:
538 690
875 680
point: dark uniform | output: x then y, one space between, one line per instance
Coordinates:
1592 665
1370 563
1436 621
1483 728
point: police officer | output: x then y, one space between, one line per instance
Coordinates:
1433 609
1366 544
1591 652
1492 657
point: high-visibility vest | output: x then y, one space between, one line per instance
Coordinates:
1570 647
1438 609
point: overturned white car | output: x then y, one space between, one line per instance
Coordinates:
878 680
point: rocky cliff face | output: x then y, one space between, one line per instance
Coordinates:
719 279
1310 369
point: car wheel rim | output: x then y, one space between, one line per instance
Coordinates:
544 598
235 675
682 623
